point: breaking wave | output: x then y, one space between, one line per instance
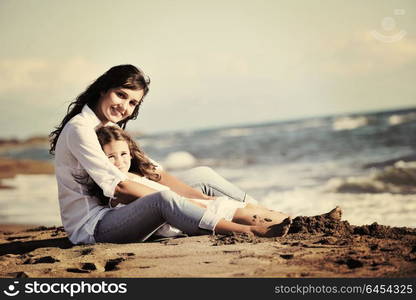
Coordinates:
349 123
397 179
400 119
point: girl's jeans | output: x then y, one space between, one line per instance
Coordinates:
139 219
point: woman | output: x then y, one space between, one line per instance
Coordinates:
115 98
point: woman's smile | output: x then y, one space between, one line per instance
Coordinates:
117 104
115 111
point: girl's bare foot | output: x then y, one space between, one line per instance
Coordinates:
256 216
276 230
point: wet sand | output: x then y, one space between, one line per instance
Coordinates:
9 168
314 247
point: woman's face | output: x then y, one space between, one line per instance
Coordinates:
117 104
118 153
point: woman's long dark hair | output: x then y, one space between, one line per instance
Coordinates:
140 164
122 76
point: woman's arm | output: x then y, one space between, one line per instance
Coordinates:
127 191
181 188
83 144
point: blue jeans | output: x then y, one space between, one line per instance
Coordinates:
139 219
211 183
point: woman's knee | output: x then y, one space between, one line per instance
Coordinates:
167 197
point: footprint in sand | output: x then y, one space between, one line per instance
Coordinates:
350 262
128 254
41 260
84 268
111 265
88 266
86 251
75 270
18 275
13 238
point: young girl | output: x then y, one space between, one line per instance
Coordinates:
222 214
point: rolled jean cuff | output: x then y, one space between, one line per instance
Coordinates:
209 220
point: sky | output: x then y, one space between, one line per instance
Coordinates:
211 63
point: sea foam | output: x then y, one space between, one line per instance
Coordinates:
403 118
349 123
179 160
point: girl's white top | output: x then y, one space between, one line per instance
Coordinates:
78 152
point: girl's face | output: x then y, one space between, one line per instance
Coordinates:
117 104
119 154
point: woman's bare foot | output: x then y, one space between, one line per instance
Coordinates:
276 230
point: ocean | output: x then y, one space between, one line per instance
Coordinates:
360 162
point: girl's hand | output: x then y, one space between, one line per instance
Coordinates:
113 202
125 199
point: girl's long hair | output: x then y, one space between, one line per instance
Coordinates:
122 76
140 164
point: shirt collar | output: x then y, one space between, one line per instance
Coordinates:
92 118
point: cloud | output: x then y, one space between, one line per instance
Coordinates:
38 74
363 54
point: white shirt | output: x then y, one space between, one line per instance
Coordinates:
78 152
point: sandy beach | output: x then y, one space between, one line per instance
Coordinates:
314 247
